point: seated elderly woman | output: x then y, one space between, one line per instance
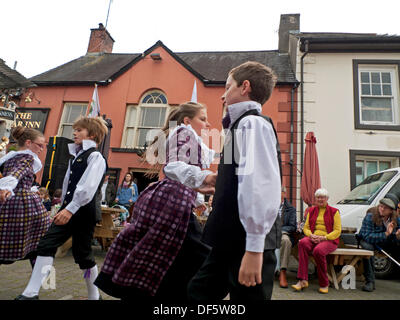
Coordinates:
322 231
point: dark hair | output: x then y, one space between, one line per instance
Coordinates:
262 79
57 193
22 134
130 182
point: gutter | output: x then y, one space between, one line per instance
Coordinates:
302 119
291 139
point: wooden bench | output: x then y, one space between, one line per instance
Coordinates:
344 256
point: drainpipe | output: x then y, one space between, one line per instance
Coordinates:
291 140
302 119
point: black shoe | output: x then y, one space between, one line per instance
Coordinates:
22 297
369 287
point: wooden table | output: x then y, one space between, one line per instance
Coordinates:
104 232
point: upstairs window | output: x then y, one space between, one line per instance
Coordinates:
71 112
140 119
376 95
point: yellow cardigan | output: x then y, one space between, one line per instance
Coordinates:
320 229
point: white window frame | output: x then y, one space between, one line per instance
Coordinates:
136 125
393 70
67 107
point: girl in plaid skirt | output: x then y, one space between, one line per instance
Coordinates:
158 253
23 218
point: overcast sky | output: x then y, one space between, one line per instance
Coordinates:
43 34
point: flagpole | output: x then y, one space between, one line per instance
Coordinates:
109 5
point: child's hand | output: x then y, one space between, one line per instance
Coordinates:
4 195
210 180
250 269
62 217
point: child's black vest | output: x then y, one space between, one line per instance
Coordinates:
223 229
77 168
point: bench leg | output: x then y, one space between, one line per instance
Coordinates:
333 275
352 263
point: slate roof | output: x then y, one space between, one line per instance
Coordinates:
357 42
12 79
210 67
214 66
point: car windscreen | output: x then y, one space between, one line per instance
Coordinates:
366 191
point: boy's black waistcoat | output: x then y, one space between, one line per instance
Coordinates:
223 229
77 168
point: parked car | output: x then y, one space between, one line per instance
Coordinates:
354 206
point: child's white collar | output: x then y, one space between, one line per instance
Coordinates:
86 144
37 164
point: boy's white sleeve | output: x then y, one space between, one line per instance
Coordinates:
88 183
187 174
259 182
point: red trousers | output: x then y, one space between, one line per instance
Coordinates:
319 252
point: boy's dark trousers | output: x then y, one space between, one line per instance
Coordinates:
219 275
81 228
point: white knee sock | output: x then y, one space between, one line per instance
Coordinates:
90 275
39 273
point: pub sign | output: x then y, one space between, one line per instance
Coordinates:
35 118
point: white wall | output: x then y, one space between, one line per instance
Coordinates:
329 113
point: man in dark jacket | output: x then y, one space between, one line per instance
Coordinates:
380 228
289 224
108 191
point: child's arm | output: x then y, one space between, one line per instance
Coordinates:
9 182
135 193
85 189
259 186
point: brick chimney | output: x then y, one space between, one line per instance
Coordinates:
289 22
100 40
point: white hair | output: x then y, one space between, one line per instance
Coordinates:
321 192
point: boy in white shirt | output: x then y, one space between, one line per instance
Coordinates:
77 215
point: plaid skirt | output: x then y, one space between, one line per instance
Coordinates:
23 221
142 253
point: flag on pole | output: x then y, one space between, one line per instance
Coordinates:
94 109
194 93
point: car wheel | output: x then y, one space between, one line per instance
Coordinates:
384 267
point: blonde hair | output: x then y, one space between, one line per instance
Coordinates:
22 134
45 192
96 127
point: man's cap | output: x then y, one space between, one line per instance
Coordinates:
390 200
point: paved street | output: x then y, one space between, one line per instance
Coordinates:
71 286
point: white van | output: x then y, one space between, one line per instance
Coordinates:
367 194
